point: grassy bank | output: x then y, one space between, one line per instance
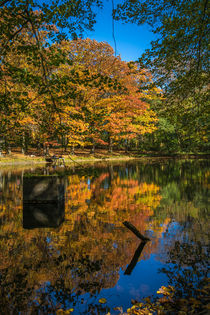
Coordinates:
17 158
84 155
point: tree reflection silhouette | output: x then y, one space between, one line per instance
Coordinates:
135 258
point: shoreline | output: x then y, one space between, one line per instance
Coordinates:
27 161
33 161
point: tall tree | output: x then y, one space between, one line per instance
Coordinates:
57 19
179 56
178 60
112 92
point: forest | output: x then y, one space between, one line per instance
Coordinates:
58 88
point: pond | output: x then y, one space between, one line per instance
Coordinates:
69 249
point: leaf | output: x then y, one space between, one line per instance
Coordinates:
118 308
102 301
62 312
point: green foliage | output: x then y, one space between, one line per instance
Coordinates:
178 59
182 125
28 58
71 17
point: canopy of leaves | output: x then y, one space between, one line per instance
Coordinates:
179 56
71 17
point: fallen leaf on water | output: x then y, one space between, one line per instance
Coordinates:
62 312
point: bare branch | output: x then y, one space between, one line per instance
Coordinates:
201 34
135 231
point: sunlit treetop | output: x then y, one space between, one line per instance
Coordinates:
72 17
179 56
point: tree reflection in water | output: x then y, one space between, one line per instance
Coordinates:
42 270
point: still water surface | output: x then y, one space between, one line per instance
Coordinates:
62 255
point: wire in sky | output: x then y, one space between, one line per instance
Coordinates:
113 30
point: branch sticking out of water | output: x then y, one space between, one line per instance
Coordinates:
135 231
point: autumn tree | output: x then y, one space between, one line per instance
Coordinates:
22 88
103 85
178 59
97 69
68 83
32 18
128 112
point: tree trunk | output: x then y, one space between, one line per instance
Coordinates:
93 148
126 146
111 172
135 258
110 145
38 147
72 150
66 142
46 149
23 144
6 145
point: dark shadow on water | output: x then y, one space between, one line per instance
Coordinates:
43 202
43 215
135 259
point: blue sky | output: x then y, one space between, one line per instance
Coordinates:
132 40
